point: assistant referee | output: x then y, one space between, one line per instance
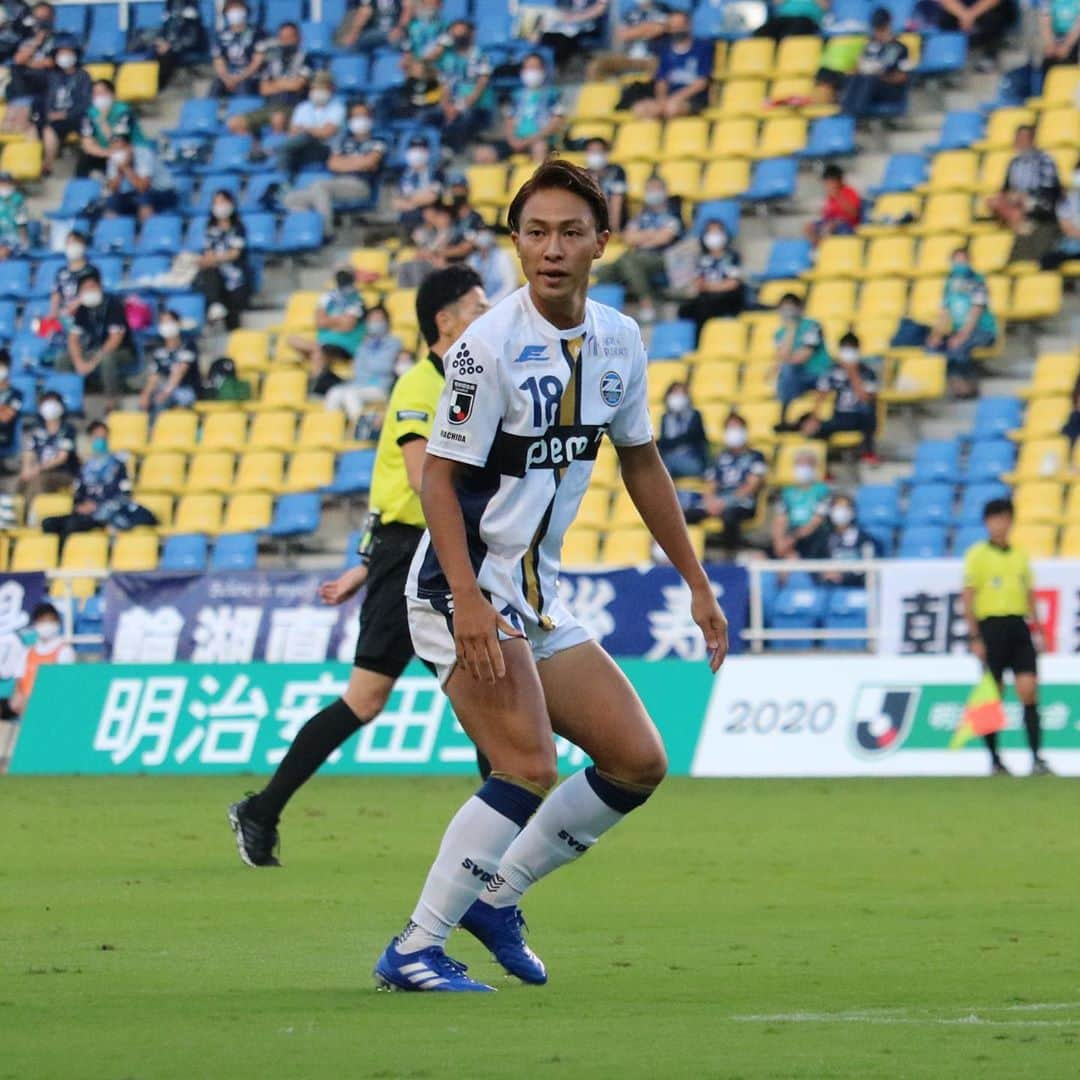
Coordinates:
446 303
998 601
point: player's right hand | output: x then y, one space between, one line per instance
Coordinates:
476 637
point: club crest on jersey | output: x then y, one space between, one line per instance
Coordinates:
462 396
611 388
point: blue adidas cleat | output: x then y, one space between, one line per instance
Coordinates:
428 969
501 931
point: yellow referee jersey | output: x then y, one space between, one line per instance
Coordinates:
1001 578
410 412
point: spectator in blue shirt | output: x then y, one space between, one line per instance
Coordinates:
737 478
136 182
647 237
882 72
467 100
174 381
418 186
373 367
11 403
315 122
425 30
536 112
238 53
682 77
67 98
682 442
371 24
845 541
49 463
718 288
640 34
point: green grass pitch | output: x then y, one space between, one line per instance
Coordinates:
729 929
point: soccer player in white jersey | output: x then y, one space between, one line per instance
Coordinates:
531 389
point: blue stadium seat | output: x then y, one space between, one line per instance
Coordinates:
107 42
610 293
352 472
160 235
198 116
960 129
710 21
14 278
996 416
275 12
78 194
70 386
965 536
184 552
147 15
936 461
726 210
235 551
989 459
352 544
943 54
495 28
672 340
190 306
845 610
45 276
929 504
27 387
298 514
9 317
301 230
333 11
231 182
27 351
877 505
903 172
145 268
386 70
830 136
773 178
90 618
115 236
797 608
922 542
254 198
974 500
35 309
901 11
70 19
848 16
231 153
111 268
317 38
243 103
788 259
261 227
350 74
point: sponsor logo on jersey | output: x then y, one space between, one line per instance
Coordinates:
532 354
611 388
452 436
462 397
514 455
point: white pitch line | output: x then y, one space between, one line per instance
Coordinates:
903 1016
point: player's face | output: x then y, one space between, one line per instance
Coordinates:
557 245
998 527
471 306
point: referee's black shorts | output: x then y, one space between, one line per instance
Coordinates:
384 645
1008 645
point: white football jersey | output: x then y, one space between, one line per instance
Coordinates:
526 406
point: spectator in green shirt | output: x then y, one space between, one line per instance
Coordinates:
105 118
801 352
788 18
802 511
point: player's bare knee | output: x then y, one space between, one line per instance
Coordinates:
366 702
539 769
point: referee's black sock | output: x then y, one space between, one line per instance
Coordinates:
316 741
992 745
1033 729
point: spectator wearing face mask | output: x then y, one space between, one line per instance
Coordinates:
736 478
1032 188
237 53
610 177
842 210
965 323
283 84
801 513
64 298
339 322
682 79
105 118
418 99
224 277
373 368
718 288
99 344
854 386
314 124
418 186
49 647
640 34
683 444
882 73
425 30
49 463
35 55
136 182
180 38
14 218
356 158
468 103
68 90
1059 32
174 381
431 240
800 351
11 403
465 222
103 495
845 541
537 110
575 19
370 24
647 237
494 264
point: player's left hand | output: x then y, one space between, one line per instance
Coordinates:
712 622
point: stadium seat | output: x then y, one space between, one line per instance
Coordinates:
953 170
14 278
672 340
175 429
685 137
137 81
750 58
159 504
350 74
929 504
36 551
943 54
284 390
772 179
1001 125
597 101
960 130
1044 417
249 350
922 542
725 210
988 460
990 252
965 536
974 499
781 136
162 472
845 610
224 431
309 470
838 257
903 172
629 546
322 429
1059 87
734 137
198 116
1040 459
830 136
48 505
128 432
919 377
297 514
831 299
249 512
797 607
1035 296
260 470
637 140
83 551
235 551
1038 540
995 417
788 258
272 431
797 55
352 473
724 179
1055 374
609 293
1069 544
937 461
184 552
1038 501
581 546
882 303
740 97
683 178
162 234
134 552
114 236
22 160
210 470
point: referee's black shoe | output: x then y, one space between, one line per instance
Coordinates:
1039 767
256 838
998 768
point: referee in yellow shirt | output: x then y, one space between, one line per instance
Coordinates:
998 600
446 303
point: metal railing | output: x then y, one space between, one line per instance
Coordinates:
65 603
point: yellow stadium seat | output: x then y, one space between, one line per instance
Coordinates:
770 293
724 179
370 260
49 505
784 470
595 508
160 505
210 470
884 297
197 514
781 137
323 428
137 81
875 333
661 374
683 178
580 131
1039 541
831 299
990 252
272 431
637 140
919 377
1043 418
249 512
761 344
128 432
175 429
1001 128
722 339
924 300
740 97
952 170
761 419
1059 88
623 513
685 137
714 415
301 307
798 55
581 545
1071 513
226 431
5 552
162 472
309 470
134 552
889 257
838 257
597 100
799 88
913 42
1037 501
84 551
487 183
22 160
101 71
1059 127
992 171
735 137
750 58
935 254
260 470
284 390
401 307
1036 296
637 174
715 382
1040 459
758 383
889 210
249 350
35 551
627 547
606 470
1055 373
951 210
1069 545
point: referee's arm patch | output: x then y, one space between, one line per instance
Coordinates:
413 414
